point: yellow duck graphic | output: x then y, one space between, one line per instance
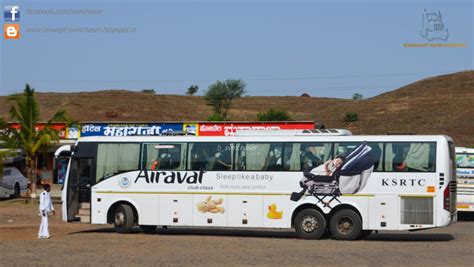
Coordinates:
273 213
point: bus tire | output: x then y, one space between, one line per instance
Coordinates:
123 219
345 224
16 191
148 229
310 224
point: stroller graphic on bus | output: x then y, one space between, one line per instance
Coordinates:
345 174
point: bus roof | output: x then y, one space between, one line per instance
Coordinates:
272 138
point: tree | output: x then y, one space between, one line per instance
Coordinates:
220 95
192 89
357 96
25 111
274 115
149 91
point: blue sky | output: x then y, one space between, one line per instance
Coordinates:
286 47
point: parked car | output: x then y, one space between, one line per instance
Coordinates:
12 180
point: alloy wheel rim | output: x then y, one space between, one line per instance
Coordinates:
309 224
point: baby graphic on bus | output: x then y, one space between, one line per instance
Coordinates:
345 174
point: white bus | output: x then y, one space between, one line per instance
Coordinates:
304 180
465 178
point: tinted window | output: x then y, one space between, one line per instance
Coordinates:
343 149
259 157
377 150
164 156
303 156
410 157
211 156
7 173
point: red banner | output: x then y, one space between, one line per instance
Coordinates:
61 127
229 129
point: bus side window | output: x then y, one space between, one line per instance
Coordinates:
410 157
388 157
116 157
162 156
273 160
241 157
377 152
287 156
259 156
211 156
342 149
197 157
307 156
400 152
418 157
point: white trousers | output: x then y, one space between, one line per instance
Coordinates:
43 230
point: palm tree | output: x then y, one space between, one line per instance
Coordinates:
25 111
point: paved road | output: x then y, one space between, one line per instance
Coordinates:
76 244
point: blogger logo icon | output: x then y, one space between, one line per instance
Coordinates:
11 31
11 13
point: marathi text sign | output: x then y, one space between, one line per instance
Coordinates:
229 129
129 129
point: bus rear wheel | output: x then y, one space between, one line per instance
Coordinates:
123 219
310 224
345 225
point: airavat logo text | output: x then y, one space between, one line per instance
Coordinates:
170 177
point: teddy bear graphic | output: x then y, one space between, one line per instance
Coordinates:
210 205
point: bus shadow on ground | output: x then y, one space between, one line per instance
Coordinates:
465 216
410 237
393 237
203 232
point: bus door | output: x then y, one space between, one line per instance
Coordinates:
78 186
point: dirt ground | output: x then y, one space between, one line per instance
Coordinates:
84 244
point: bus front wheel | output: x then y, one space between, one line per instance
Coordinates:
123 219
345 225
310 224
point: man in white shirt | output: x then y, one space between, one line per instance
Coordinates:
45 207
